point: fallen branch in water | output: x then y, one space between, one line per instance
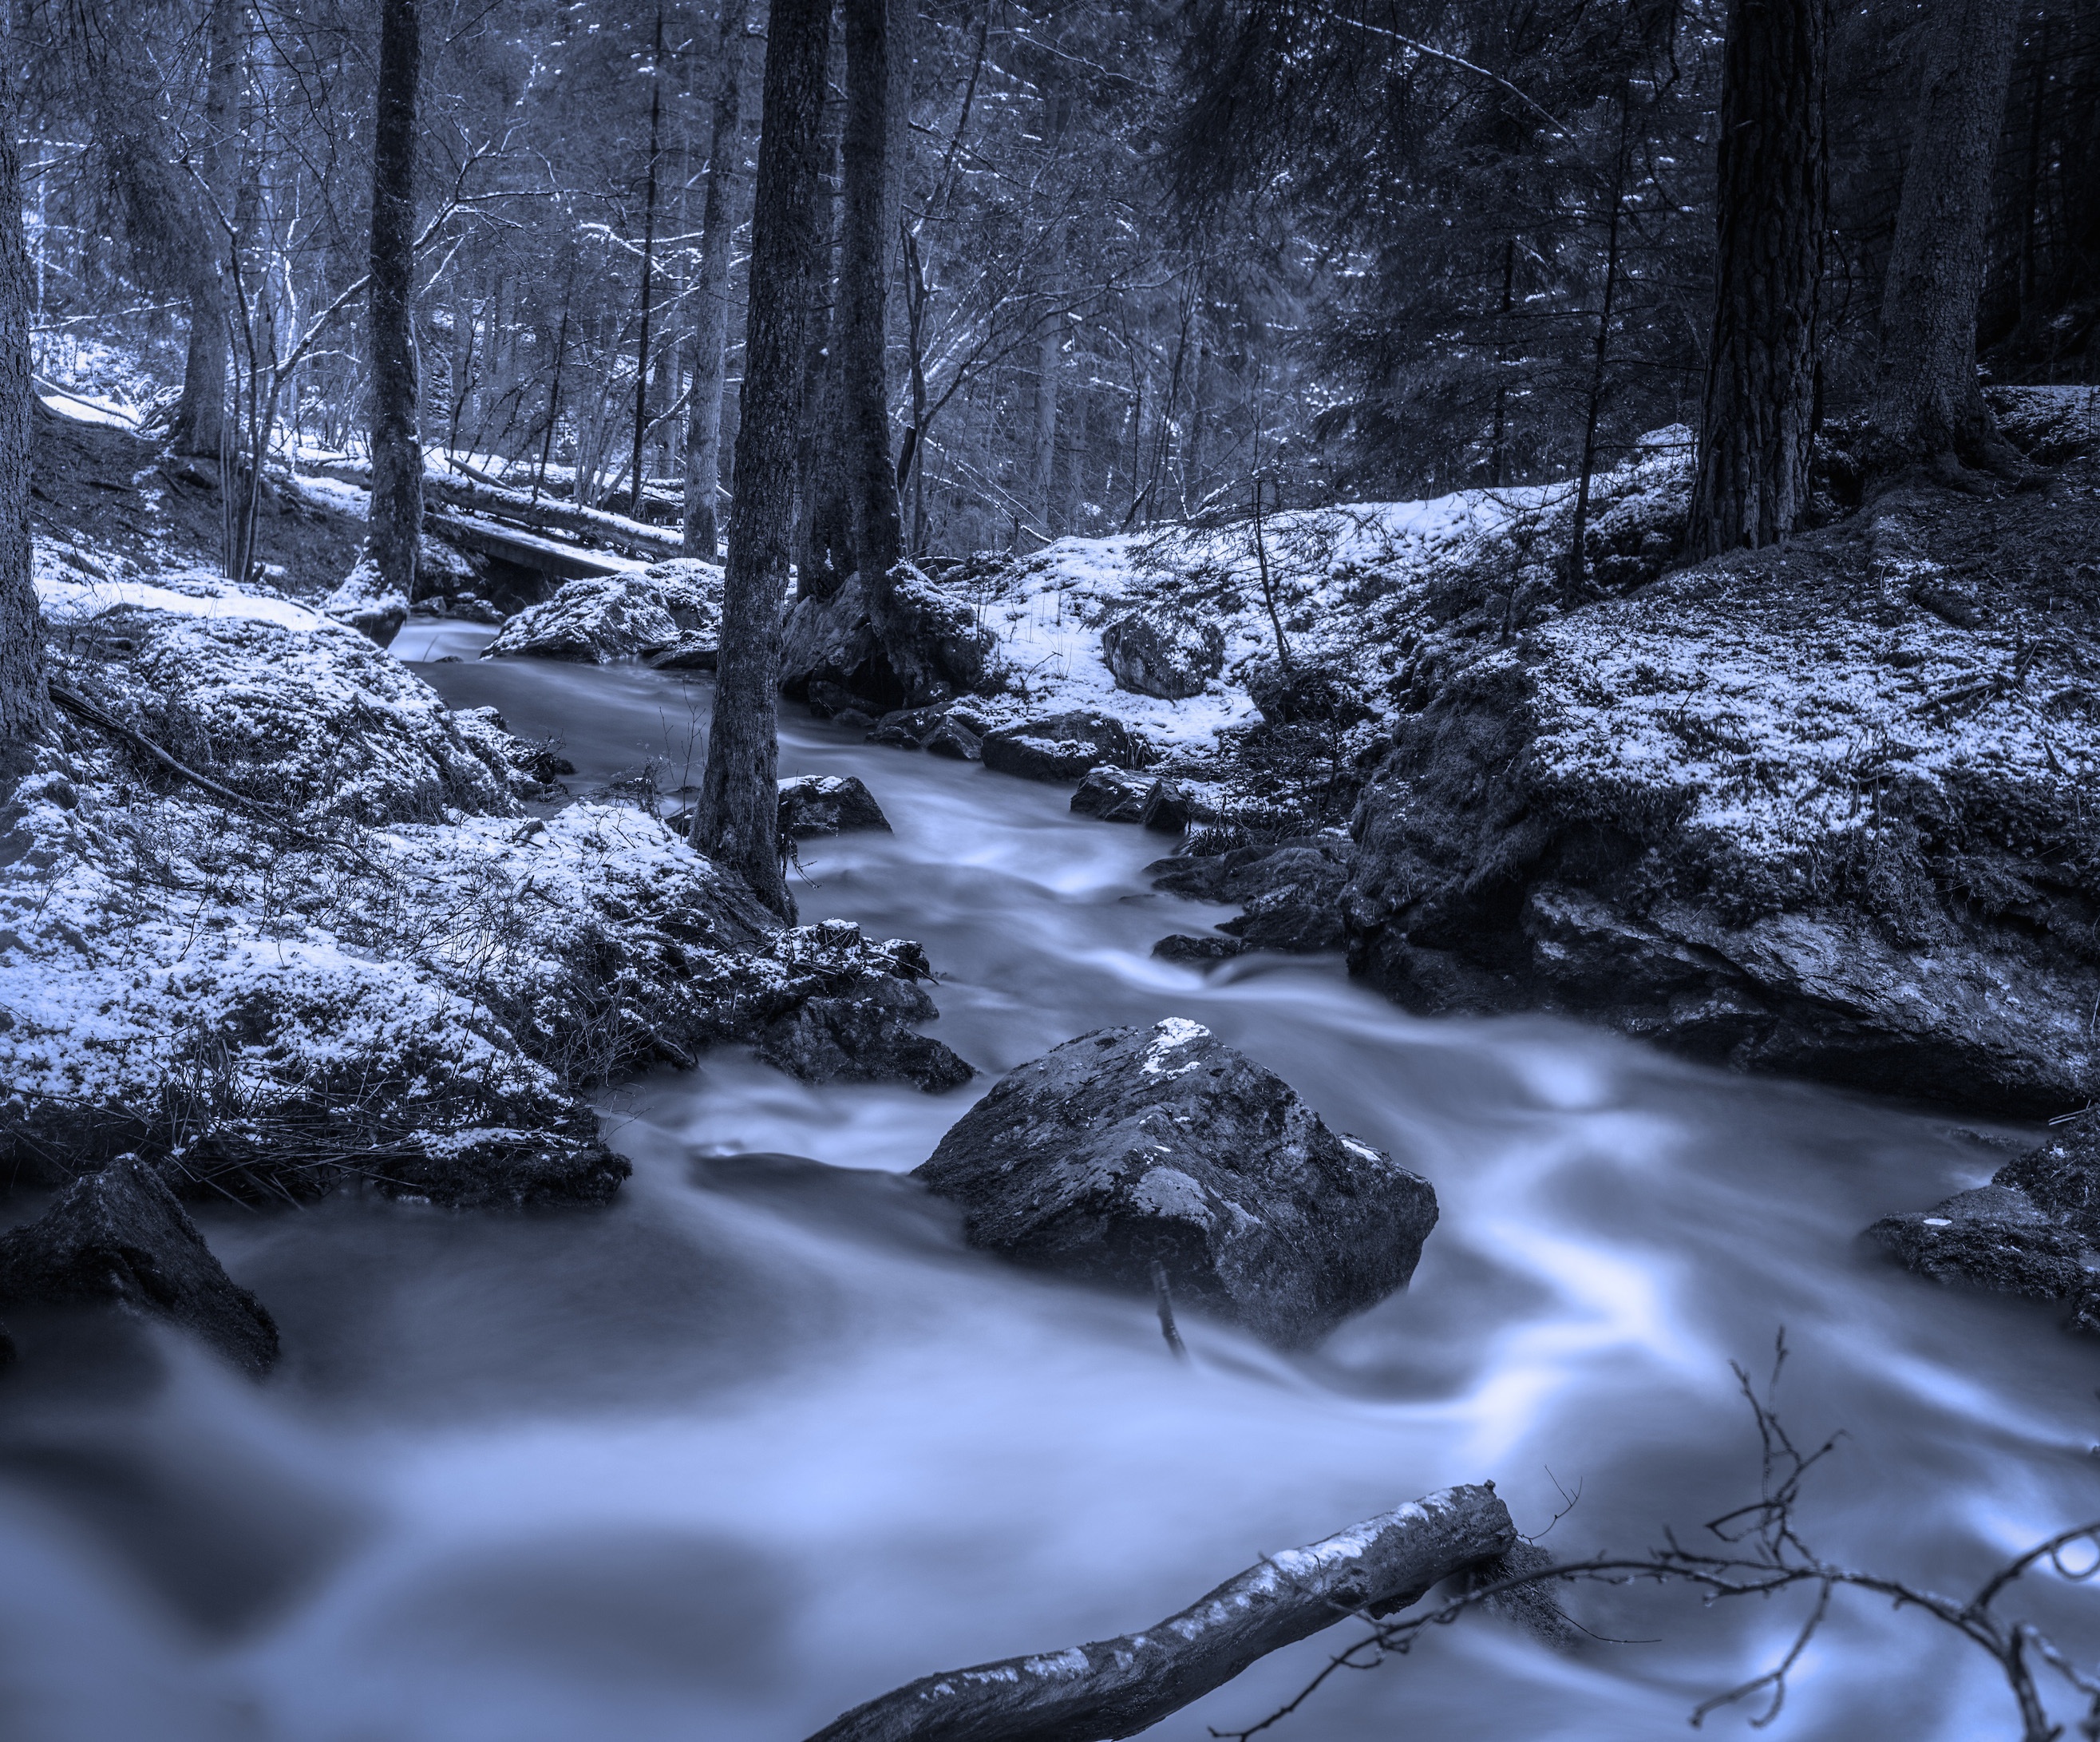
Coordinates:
1116 1687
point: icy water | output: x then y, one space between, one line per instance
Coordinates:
763 1440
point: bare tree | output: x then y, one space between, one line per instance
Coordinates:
396 514
24 706
736 818
1757 423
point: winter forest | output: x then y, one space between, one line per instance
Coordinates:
840 838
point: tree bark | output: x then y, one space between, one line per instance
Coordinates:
704 417
1599 375
24 706
877 34
648 265
395 517
1757 423
824 554
736 818
1117 1687
199 420
1929 403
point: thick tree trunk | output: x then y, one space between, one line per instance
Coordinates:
1759 421
199 419
736 820
24 706
395 517
704 417
824 553
877 34
1117 1687
1929 403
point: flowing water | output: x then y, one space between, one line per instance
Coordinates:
763 1440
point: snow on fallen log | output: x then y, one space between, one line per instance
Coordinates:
1117 1687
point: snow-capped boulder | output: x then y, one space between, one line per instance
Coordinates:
1060 746
591 621
118 1239
827 804
1132 1147
1777 811
275 700
363 602
1156 652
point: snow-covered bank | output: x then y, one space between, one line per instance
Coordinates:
377 965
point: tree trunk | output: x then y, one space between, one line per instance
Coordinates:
1117 1687
24 706
710 296
877 34
824 553
1757 425
1043 460
396 514
1929 405
648 265
200 420
736 820
1599 374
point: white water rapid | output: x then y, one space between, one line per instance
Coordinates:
763 1440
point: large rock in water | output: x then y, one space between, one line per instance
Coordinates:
1136 1145
1060 746
591 621
119 1239
827 804
1154 653
938 649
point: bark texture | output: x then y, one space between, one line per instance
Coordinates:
1929 403
824 544
199 419
711 294
1759 421
397 449
1117 1687
878 34
736 820
24 708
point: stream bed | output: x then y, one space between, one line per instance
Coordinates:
765 1439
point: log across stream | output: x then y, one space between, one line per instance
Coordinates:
764 1441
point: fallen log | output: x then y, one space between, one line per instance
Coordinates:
473 492
1117 1687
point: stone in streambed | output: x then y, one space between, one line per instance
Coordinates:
952 738
828 804
865 1037
118 1239
1182 946
1136 1145
1115 795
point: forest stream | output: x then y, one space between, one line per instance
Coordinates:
765 1439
